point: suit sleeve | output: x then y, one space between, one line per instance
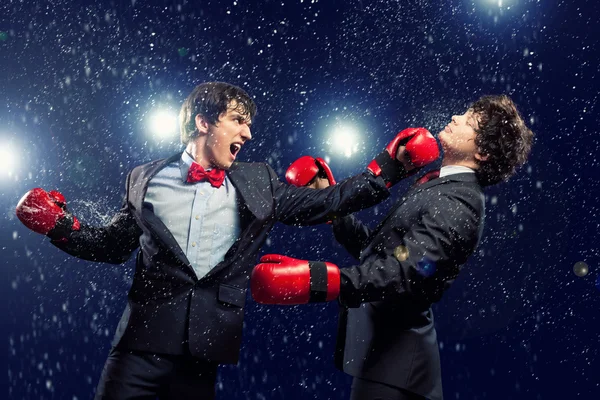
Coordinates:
421 262
113 243
352 234
305 206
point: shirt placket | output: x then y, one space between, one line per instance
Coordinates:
199 207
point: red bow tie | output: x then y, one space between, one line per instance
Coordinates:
196 173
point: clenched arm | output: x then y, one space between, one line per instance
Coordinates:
352 234
113 243
422 261
305 206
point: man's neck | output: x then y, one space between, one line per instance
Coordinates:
194 149
462 163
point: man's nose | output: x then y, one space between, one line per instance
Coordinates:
246 132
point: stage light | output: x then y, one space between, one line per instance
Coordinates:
163 123
500 3
8 160
344 139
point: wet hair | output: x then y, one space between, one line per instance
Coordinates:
211 99
502 139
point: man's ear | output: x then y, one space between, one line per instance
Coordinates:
481 157
201 124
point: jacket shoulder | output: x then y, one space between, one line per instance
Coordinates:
254 170
249 166
466 194
148 165
453 192
138 171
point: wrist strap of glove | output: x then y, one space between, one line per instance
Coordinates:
392 170
63 227
318 281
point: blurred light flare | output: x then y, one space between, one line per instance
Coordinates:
401 253
426 267
8 160
500 3
344 139
163 123
581 269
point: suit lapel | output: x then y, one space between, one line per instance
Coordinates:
249 193
254 207
147 216
164 234
138 191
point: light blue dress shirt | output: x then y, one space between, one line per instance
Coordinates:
204 220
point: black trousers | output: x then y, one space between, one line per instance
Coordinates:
129 375
363 389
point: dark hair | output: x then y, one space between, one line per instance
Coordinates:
211 99
503 139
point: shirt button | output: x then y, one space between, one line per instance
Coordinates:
194 244
201 193
197 217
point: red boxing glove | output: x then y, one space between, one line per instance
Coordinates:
284 280
421 148
58 198
325 170
46 213
306 169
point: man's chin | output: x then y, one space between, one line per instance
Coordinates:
441 140
225 166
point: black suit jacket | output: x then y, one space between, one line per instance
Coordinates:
169 309
386 329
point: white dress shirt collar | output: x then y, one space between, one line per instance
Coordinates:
455 169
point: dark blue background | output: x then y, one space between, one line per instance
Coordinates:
80 81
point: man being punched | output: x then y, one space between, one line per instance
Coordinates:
386 339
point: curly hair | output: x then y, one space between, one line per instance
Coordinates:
211 99
502 138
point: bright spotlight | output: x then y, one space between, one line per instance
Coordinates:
163 124
8 160
344 139
500 3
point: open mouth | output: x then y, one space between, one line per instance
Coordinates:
235 148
